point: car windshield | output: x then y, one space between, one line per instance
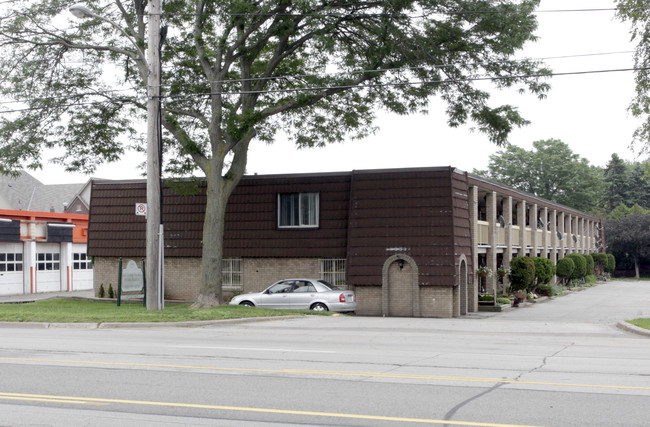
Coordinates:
329 285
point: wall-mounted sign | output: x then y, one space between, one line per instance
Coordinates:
141 209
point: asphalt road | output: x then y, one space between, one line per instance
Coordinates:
560 363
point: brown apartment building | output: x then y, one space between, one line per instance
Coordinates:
407 241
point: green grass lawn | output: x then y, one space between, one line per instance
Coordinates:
71 311
641 323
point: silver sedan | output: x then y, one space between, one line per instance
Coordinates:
312 294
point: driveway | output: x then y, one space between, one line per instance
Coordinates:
605 303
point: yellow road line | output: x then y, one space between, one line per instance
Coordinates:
331 373
51 398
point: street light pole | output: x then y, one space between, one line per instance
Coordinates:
154 258
154 266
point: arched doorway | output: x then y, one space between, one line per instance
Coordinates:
462 284
400 290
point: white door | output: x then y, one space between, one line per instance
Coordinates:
82 268
48 268
11 269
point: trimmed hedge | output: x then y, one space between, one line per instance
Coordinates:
565 268
580 262
522 273
590 265
600 262
611 263
544 270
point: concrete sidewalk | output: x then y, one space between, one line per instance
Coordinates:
46 295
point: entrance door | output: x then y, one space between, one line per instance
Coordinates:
400 289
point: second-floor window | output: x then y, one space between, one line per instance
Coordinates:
297 210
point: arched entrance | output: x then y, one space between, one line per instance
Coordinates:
462 285
400 290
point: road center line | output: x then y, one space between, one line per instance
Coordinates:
52 398
282 350
329 373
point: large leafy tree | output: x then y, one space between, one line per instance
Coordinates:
238 70
628 237
550 170
637 13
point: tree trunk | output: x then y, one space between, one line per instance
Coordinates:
211 293
636 267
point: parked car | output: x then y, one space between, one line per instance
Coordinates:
306 294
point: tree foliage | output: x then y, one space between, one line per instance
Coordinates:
551 170
637 14
625 183
629 238
239 70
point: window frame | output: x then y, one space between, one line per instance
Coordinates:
313 197
334 271
231 269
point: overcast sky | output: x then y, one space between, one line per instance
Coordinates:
586 111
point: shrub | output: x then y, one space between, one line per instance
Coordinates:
600 262
580 262
590 265
544 270
110 291
522 273
544 290
565 268
101 292
611 263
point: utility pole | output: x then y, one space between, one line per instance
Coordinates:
153 269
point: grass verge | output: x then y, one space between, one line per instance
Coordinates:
69 311
641 323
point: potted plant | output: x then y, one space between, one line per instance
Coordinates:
502 272
483 271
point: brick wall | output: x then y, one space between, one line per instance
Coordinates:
369 300
260 273
436 301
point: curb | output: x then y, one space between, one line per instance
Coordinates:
632 328
127 325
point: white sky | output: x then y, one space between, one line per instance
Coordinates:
588 112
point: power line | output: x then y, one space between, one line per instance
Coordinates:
364 86
425 82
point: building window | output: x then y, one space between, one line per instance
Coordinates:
11 262
332 270
48 261
297 210
81 261
231 274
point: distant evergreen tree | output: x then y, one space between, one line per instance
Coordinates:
616 183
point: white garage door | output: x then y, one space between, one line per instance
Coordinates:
48 268
11 269
82 269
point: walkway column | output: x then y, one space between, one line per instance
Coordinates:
561 229
507 255
533 230
554 239
545 239
521 222
472 285
491 202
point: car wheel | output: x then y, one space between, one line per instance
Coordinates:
247 304
319 307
